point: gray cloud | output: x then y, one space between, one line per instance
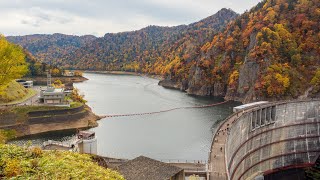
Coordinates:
19 17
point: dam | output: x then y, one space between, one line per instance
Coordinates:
266 139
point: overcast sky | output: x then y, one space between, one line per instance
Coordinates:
97 17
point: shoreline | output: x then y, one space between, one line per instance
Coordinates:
168 84
88 121
42 80
25 128
28 128
157 77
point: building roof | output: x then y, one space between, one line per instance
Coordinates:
58 90
86 134
20 80
144 168
244 106
53 91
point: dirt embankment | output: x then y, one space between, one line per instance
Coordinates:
35 122
87 121
30 120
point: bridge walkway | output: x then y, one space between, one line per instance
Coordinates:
217 165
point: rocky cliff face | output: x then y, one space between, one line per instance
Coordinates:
268 53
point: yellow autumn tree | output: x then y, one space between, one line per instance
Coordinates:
315 81
58 84
233 77
270 15
277 80
55 72
12 63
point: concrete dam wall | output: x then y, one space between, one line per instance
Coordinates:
273 137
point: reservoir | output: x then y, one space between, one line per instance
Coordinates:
183 134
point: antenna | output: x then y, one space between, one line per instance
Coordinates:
49 79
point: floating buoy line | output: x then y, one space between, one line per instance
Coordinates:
163 111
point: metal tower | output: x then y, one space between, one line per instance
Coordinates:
49 84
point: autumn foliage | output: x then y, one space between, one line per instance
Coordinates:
33 163
271 51
277 80
12 63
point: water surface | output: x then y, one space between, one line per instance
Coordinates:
183 134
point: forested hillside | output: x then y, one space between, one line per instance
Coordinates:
16 63
129 51
138 50
38 68
50 48
269 52
272 51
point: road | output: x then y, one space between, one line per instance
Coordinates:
34 100
31 101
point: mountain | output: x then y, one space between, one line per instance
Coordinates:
113 50
129 51
270 52
49 48
137 50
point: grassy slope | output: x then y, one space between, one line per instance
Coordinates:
23 163
15 93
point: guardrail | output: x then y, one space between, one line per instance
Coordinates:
69 143
218 128
183 161
58 143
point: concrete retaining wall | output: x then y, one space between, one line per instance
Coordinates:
273 136
58 118
8 118
55 112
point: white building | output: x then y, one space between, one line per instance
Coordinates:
88 143
24 83
52 96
